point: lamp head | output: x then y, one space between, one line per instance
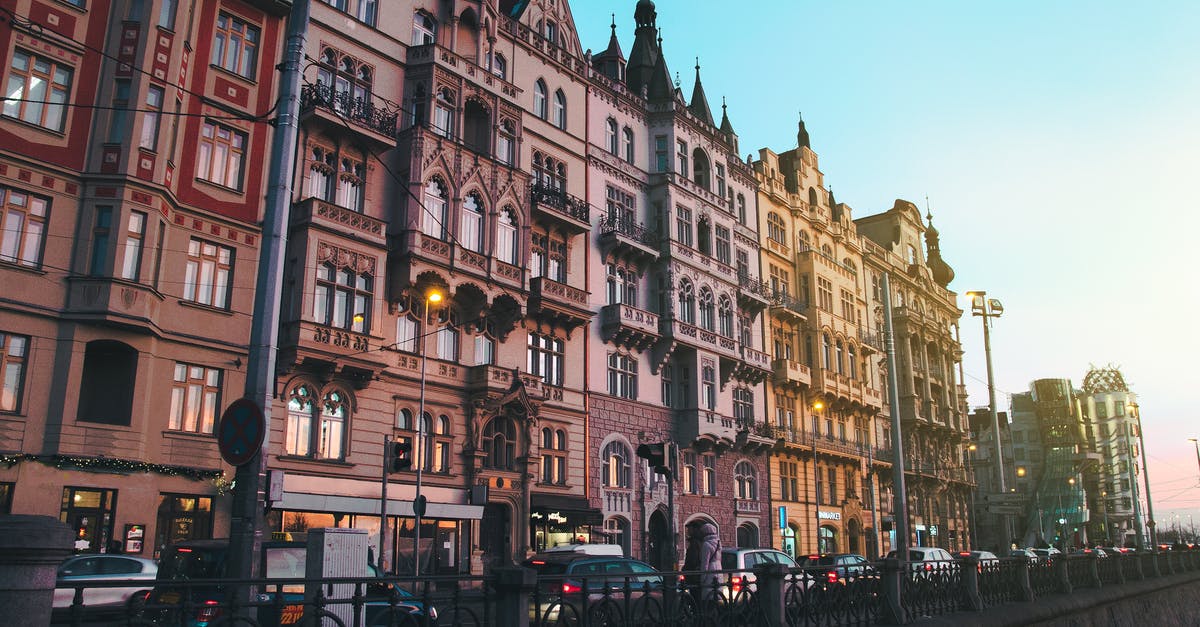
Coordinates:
1020 471
1071 480
818 406
434 296
994 307
972 447
359 318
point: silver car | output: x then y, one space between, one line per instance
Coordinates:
80 571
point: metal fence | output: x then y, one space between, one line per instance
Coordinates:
889 592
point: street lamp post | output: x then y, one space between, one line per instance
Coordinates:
971 448
419 452
1104 505
1137 414
816 407
1197 443
988 308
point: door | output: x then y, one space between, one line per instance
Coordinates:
496 535
658 549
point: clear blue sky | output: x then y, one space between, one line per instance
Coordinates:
1054 140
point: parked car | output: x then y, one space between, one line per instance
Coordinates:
745 560
837 567
576 588
1025 553
925 560
281 560
81 570
984 557
1045 553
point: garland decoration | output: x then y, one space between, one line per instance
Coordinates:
113 465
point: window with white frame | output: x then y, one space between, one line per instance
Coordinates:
540 99
506 237
135 235
470 234
622 376
348 81
195 398
505 140
433 211
351 181
610 136
725 316
424 31
627 144
745 478
235 45
545 358
316 428
708 383
620 207
447 335
683 225
342 298
560 109
622 284
434 455
208 274
443 113
221 155
709 462
321 173
691 484
148 139
365 11
24 227
681 158
719 174
38 89
687 302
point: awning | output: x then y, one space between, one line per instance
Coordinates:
575 509
332 503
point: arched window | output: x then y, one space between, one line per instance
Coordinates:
499 65
707 310
433 213
616 465
327 441
332 434
725 316
443 113
687 302
348 80
408 326
618 533
548 173
700 168
745 477
747 537
298 435
470 234
704 236
741 208
447 333
477 127
627 143
560 109
841 360
539 98
499 443
826 357
812 198
853 363
804 241
424 29
505 140
404 419
321 174
610 135
506 237
351 180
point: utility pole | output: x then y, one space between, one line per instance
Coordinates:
900 495
247 518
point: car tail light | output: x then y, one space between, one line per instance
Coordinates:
736 583
965 553
928 566
831 576
570 588
208 612
538 562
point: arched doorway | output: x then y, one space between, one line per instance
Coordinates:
747 536
658 542
495 535
827 540
852 537
617 530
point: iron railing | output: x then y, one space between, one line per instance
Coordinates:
560 202
345 105
632 229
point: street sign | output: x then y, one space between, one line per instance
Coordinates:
1005 510
240 432
1004 498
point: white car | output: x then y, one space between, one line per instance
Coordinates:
924 560
745 560
81 570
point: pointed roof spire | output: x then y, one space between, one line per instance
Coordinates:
660 85
802 134
644 53
614 47
699 103
726 127
943 274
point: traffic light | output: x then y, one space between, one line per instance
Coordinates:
661 456
400 456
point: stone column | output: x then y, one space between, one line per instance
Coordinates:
31 548
972 599
1062 574
772 592
513 586
1024 587
893 608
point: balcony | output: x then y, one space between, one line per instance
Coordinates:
340 220
121 301
753 294
784 305
330 351
498 381
747 506
558 304
791 374
571 214
704 429
753 437
872 397
629 240
690 334
617 500
628 326
754 367
340 111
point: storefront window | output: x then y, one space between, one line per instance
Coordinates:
6 496
89 513
827 540
182 517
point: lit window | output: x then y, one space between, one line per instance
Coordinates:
195 398
208 274
221 153
24 227
37 89
616 470
342 298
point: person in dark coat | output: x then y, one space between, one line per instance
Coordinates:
702 559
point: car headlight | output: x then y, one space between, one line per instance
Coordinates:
432 612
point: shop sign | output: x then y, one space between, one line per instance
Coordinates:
829 515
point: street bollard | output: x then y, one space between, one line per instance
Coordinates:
972 600
1093 565
513 585
893 572
771 589
1024 586
1062 574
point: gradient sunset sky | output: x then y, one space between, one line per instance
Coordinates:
1055 142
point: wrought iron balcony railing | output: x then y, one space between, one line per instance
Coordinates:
628 228
560 202
345 105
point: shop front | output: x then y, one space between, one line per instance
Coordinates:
557 520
